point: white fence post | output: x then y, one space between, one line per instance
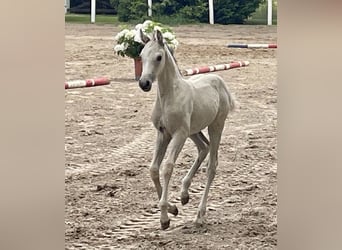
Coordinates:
149 7
269 12
93 10
66 5
211 12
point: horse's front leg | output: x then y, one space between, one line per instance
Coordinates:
163 140
176 145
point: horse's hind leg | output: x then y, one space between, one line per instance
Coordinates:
202 144
162 142
215 132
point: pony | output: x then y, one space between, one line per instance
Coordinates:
183 108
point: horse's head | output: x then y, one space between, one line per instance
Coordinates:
153 59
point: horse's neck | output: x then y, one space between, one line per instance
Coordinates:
170 78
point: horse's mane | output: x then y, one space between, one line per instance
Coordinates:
171 53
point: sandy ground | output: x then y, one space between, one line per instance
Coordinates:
110 201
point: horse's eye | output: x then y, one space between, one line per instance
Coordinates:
159 58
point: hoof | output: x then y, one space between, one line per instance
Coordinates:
198 223
184 199
165 225
173 210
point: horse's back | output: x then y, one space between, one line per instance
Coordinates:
213 85
211 101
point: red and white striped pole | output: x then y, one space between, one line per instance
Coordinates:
253 46
86 83
206 69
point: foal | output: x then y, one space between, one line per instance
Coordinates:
182 109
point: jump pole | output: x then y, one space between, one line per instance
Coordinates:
86 83
206 69
252 46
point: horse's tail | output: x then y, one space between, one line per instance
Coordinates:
231 102
231 98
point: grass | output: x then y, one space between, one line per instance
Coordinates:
259 21
85 18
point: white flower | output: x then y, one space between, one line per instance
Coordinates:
121 34
130 34
117 37
174 43
119 47
168 35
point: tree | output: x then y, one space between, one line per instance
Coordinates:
190 10
114 4
84 6
234 11
129 10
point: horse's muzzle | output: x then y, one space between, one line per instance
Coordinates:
145 85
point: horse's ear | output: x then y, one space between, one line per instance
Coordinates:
143 37
158 36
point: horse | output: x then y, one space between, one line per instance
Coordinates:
183 108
